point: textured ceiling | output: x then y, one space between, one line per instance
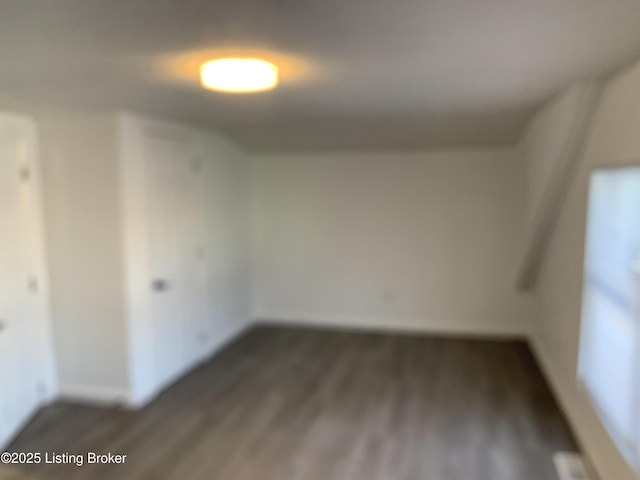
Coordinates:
356 73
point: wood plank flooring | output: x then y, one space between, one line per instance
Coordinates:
297 404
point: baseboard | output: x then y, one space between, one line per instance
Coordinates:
561 386
609 464
396 325
224 337
6 437
96 395
228 336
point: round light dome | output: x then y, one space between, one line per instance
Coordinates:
239 75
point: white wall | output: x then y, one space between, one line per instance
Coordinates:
78 151
552 147
422 241
229 253
553 138
613 138
83 188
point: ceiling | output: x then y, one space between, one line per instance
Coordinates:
356 73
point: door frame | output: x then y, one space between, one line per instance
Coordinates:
23 126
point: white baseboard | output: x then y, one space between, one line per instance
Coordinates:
230 333
600 453
7 436
398 325
227 334
96 395
571 466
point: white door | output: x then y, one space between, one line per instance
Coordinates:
18 326
175 209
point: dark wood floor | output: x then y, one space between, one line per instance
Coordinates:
293 404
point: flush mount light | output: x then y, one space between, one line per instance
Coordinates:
239 75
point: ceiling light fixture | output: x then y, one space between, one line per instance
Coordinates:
239 75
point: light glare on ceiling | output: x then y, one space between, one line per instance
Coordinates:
239 75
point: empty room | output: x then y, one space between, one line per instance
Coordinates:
319 240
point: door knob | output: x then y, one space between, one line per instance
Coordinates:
160 285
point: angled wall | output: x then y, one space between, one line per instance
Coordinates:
552 147
612 139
